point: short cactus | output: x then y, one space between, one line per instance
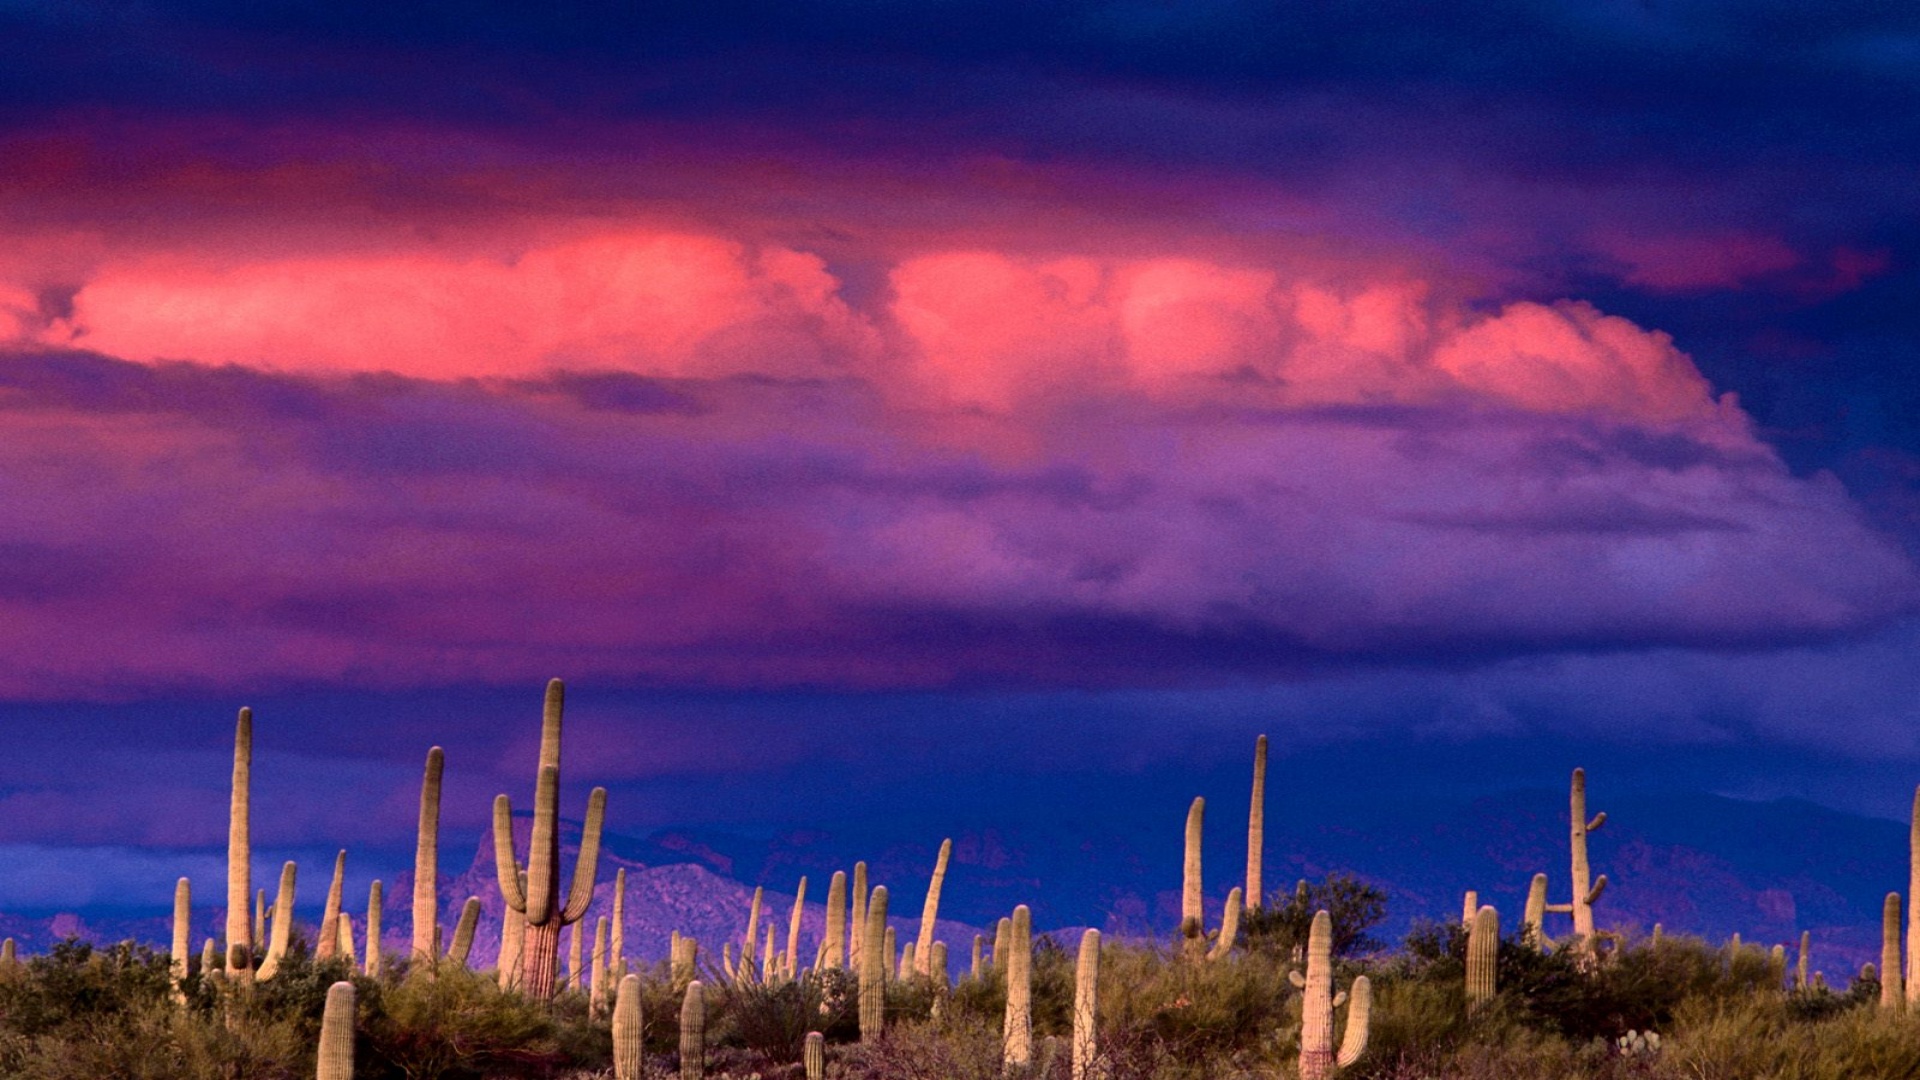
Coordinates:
463 932
513 935
1892 994
597 994
1229 927
344 938
627 1059
1318 1061
1017 1030
617 934
683 959
752 940
1483 955
1086 998
1534 921
930 911
792 968
1800 963
693 1032
1001 931
541 901
282 929
336 1034
1193 930
873 967
373 964
814 1057
979 942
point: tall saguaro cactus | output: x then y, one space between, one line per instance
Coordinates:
1017 1030
240 851
857 920
834 953
1086 999
540 901
873 968
1891 992
1193 928
930 911
182 938
791 967
1257 824
1586 889
1318 1060
1483 955
426 863
373 965
327 946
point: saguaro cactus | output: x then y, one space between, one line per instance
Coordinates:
240 851
1257 824
857 920
1317 1058
597 993
693 1032
1534 921
336 1034
327 946
182 940
1469 907
345 938
1483 955
426 864
513 936
373 965
979 942
834 954
617 939
1002 930
540 900
1018 1028
1586 890
1086 998
814 1057
1193 928
1891 992
1800 964
282 927
930 911
463 932
873 968
1912 970
792 968
627 1061
751 943
1229 927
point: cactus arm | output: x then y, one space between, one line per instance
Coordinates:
426 857
1559 909
550 713
1339 999
513 888
1598 820
588 864
1298 980
543 852
1599 886
1359 1019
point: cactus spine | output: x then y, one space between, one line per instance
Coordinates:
282 927
930 911
1192 928
1018 1028
1086 996
541 901
834 953
626 1030
426 863
1229 927
1891 992
336 1034
873 967
792 969
693 1032
1257 824
1483 956
1317 1058
182 940
240 850
328 944
814 1057
857 920
374 897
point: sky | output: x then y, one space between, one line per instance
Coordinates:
950 404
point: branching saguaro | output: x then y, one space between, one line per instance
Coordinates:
539 902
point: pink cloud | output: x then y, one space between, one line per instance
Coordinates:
1670 262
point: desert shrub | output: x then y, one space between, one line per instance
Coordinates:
1281 925
773 1021
459 1024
